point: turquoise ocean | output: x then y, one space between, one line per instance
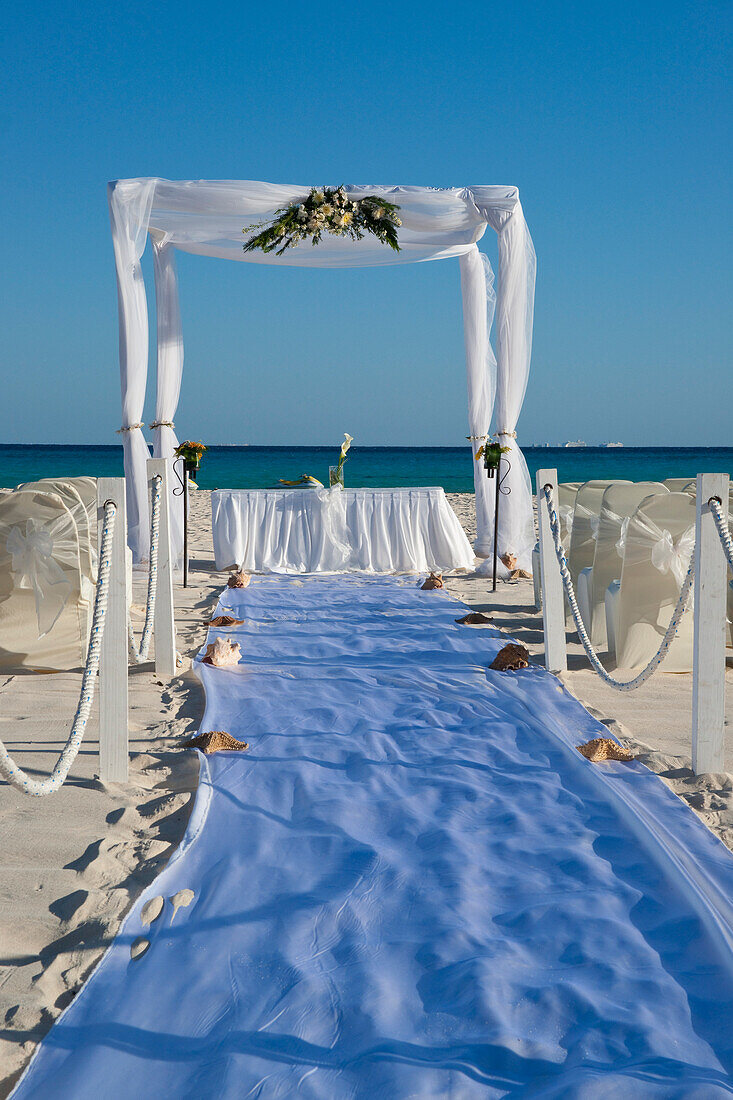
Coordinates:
261 467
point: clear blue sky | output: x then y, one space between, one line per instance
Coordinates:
612 119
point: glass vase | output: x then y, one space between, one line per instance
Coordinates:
335 476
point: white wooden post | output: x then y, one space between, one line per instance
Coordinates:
553 608
708 669
113 740
164 618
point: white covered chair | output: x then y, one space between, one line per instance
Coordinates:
619 502
659 541
79 494
587 509
679 484
45 612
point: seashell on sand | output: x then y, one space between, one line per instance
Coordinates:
152 909
240 579
511 658
222 653
435 580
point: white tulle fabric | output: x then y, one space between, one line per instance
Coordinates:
169 376
207 218
337 531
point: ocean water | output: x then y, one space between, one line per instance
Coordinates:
451 467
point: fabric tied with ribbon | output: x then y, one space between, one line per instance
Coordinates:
33 563
621 543
565 511
673 556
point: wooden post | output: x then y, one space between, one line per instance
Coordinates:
164 620
553 608
113 743
708 669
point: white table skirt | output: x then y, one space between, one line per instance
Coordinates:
337 531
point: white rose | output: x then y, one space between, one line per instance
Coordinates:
378 212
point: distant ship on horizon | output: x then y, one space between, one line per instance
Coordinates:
575 443
612 444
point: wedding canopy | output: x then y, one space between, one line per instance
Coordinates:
207 218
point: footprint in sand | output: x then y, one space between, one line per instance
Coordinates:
181 900
139 947
152 909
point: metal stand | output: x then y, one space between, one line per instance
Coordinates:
183 488
500 491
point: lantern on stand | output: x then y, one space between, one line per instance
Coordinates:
493 456
188 457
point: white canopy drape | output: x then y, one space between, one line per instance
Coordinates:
207 218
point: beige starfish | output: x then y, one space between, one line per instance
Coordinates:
224 621
603 748
435 580
217 741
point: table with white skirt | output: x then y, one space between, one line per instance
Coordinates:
337 531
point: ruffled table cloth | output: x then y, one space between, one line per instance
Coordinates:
337 531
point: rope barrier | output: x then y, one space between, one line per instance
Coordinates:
8 768
138 656
724 533
648 670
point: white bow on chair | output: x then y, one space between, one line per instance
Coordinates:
33 562
673 557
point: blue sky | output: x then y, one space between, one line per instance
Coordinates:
613 120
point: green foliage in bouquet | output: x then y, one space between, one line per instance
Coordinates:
326 210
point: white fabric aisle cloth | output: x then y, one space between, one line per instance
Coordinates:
339 531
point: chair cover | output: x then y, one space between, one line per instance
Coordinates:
679 484
619 502
79 494
659 541
585 525
567 491
44 617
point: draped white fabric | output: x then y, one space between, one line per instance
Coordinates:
514 321
207 218
337 531
169 375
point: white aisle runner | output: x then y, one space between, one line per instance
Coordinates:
412 885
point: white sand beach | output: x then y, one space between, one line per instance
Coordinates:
75 861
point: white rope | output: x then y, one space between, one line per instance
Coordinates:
620 685
723 531
138 656
8 768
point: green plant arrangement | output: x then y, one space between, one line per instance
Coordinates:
491 454
326 210
191 454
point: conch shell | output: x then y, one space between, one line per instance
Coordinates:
240 579
222 653
510 658
474 618
224 621
515 574
603 748
435 580
218 741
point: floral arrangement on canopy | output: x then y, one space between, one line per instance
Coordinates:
326 210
